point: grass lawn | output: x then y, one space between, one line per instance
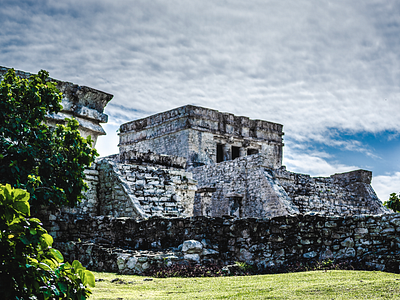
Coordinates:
305 285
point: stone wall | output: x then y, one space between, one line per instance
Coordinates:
90 204
175 144
153 159
262 242
248 187
243 187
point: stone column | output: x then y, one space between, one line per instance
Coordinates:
242 151
227 152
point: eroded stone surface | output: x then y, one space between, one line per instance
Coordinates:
81 102
203 136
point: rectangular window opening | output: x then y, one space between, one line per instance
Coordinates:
235 152
220 153
252 151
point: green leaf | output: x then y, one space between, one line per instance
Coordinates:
77 266
21 195
46 241
88 278
22 207
7 193
44 266
63 287
56 254
24 239
52 263
35 220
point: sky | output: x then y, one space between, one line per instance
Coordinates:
328 71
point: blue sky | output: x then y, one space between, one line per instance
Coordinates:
329 71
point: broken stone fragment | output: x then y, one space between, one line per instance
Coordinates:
192 257
192 246
209 252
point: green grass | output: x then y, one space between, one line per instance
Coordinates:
305 285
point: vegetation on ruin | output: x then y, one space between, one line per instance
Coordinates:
47 162
30 268
394 202
335 284
43 166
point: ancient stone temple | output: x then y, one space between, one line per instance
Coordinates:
213 181
203 136
236 163
195 161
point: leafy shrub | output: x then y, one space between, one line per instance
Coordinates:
48 162
30 268
243 266
394 202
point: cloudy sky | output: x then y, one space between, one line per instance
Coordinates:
329 71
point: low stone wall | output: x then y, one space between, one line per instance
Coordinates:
262 242
102 258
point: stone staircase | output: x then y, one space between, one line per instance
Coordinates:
144 190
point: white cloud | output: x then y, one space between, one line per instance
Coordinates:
107 145
384 185
307 64
313 163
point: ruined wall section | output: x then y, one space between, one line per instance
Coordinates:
260 242
141 190
153 159
194 132
173 144
244 187
81 102
88 205
340 194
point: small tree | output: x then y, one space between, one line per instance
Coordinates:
394 202
48 162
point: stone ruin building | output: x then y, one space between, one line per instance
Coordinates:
197 161
80 102
196 184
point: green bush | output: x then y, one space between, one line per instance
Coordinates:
48 162
30 268
394 202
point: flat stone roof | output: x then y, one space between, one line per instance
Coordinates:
202 119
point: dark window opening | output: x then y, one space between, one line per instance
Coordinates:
220 153
235 152
252 151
